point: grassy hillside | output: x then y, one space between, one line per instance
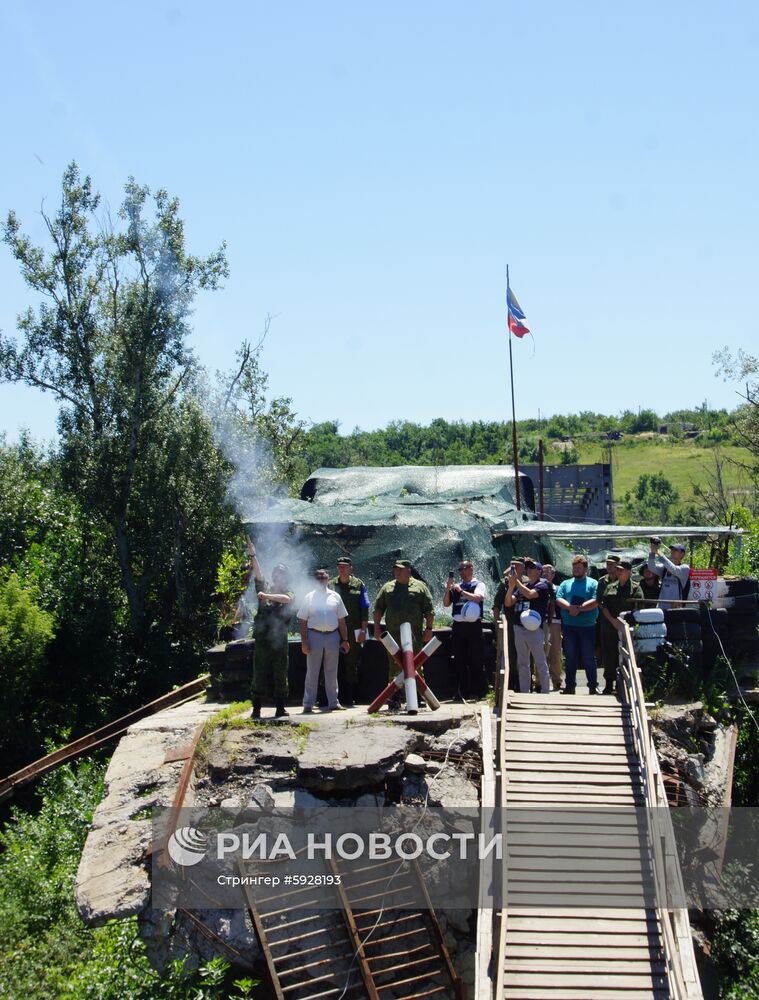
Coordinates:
683 462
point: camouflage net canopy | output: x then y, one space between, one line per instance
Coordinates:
431 515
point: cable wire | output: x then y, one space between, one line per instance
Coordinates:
730 668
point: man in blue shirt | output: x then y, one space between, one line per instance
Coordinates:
576 600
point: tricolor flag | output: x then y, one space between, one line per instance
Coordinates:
517 318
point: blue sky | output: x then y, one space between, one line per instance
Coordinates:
374 167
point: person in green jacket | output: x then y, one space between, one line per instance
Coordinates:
619 595
270 628
404 599
356 601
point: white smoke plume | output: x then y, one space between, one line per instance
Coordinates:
253 490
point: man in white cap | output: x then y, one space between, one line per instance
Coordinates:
673 573
529 635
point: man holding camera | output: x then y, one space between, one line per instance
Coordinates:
673 573
466 599
509 616
529 599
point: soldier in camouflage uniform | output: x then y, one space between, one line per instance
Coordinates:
612 563
404 599
619 595
270 628
356 601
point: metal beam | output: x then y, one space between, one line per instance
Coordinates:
563 530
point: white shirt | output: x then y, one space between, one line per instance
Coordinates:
321 609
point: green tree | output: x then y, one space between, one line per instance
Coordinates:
743 368
262 438
109 341
651 501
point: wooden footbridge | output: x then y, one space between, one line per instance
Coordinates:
569 771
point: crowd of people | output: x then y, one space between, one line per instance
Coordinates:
579 616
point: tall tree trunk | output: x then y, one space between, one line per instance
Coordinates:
135 598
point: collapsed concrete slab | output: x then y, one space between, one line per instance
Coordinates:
113 880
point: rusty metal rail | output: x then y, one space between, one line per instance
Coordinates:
100 737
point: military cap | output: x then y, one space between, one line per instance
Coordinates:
402 564
625 564
344 560
614 559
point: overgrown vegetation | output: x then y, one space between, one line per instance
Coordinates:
46 950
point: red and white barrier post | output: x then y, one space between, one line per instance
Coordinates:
399 680
409 671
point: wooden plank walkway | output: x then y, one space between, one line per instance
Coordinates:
560 944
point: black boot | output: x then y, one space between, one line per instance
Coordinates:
346 695
256 714
280 710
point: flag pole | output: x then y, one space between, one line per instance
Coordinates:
513 408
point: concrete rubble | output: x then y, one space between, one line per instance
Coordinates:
315 761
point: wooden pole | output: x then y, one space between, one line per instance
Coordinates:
541 479
513 409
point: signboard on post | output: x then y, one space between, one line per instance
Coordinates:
703 584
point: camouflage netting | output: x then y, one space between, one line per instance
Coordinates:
430 515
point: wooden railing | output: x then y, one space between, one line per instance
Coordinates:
677 943
492 921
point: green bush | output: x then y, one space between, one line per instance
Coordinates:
736 952
45 949
25 633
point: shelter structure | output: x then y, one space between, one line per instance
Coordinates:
432 515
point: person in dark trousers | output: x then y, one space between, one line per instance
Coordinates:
620 595
270 628
466 600
356 601
403 599
576 598
612 562
508 613
649 583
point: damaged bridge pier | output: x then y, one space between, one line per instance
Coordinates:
384 945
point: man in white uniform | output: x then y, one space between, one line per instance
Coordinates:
323 633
